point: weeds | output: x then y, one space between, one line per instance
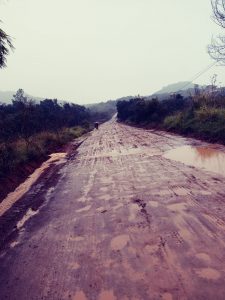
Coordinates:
202 115
17 153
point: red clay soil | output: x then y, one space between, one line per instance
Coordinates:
11 182
118 220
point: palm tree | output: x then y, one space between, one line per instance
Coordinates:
5 46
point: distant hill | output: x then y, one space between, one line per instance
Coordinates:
176 87
184 88
105 110
102 111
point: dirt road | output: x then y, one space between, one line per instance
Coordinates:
117 220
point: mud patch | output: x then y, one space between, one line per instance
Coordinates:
76 238
204 257
14 244
143 210
105 197
208 273
80 296
30 213
154 203
13 197
151 249
177 207
180 191
74 266
133 209
132 274
118 206
33 199
119 242
84 209
167 296
107 295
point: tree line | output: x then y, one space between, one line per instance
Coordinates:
29 130
24 117
201 115
140 110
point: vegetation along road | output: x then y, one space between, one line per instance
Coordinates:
117 219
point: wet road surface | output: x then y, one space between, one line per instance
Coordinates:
118 220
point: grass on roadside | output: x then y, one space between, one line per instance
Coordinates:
19 152
206 122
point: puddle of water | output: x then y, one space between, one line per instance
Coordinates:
119 242
23 188
30 213
201 157
208 273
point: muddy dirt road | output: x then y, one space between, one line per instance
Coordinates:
117 220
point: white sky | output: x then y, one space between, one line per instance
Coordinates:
93 50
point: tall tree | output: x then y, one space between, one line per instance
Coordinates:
5 46
217 47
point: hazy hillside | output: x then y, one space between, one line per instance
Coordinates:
176 87
102 111
202 115
184 88
6 97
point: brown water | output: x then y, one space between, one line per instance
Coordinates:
201 157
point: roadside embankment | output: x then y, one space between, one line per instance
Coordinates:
18 160
202 118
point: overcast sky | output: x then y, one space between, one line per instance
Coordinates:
93 50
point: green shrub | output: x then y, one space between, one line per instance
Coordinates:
206 122
172 122
40 145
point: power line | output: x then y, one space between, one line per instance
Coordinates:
199 74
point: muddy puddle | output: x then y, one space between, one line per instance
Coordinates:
23 188
206 158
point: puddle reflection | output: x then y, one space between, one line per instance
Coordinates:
201 157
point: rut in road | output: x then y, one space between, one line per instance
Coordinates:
122 222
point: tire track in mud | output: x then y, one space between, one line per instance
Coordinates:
123 223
